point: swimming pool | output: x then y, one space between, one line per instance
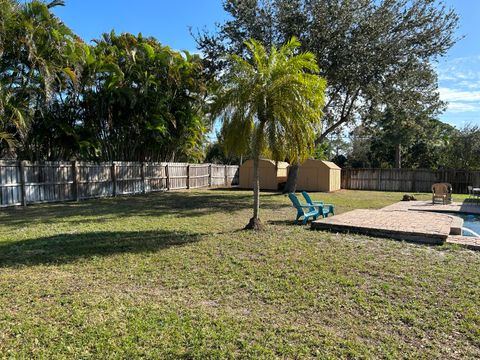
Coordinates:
470 221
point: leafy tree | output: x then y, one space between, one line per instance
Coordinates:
428 148
465 149
333 148
270 101
37 55
144 101
217 153
406 107
126 97
359 44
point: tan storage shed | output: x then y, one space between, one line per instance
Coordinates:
319 175
270 175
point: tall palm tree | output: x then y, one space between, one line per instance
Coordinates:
270 101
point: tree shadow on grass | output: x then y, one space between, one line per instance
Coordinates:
179 204
64 248
287 222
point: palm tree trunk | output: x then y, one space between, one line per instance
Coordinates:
255 223
291 185
256 188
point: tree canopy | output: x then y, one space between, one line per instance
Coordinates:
364 48
125 97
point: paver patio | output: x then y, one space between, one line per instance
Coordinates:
421 227
463 207
417 221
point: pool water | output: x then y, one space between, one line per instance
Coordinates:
471 222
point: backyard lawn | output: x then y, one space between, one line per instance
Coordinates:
172 275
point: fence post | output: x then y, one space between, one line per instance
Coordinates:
209 175
379 180
414 181
114 179
142 175
23 189
75 184
226 176
168 176
188 176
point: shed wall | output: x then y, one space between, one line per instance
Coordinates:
269 177
315 175
335 180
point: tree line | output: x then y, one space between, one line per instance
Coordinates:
129 97
435 146
124 97
378 58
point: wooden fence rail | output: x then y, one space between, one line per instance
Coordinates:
23 182
408 180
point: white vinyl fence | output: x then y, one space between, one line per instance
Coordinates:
23 182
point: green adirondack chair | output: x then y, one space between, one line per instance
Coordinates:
328 208
307 211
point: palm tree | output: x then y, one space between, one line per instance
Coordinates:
270 102
37 55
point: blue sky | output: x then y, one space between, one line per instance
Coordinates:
459 71
169 21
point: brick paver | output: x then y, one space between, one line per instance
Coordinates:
467 241
418 221
463 207
415 226
469 207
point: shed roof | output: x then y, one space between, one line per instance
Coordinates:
331 165
323 163
281 164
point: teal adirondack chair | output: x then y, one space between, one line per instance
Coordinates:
307 211
328 208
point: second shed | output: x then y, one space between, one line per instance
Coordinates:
319 175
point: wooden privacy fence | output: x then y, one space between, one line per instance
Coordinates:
408 180
23 182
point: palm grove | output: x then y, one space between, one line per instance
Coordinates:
127 97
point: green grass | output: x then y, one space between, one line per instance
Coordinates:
173 276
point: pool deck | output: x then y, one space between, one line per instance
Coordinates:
415 221
465 207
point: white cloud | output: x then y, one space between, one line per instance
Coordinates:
449 94
459 69
459 81
471 85
461 107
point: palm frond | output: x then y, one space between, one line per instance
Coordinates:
272 100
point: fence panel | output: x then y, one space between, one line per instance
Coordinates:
48 182
10 186
129 178
408 180
94 180
199 176
232 174
217 176
155 177
177 175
